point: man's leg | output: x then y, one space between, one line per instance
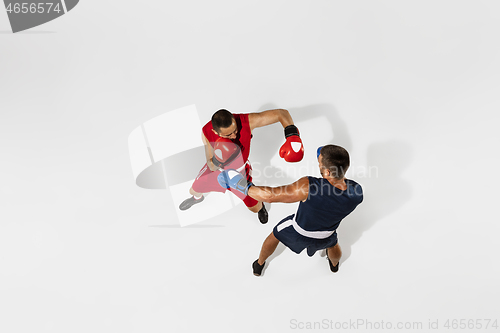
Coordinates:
262 212
204 177
194 193
334 253
267 249
195 199
256 208
253 205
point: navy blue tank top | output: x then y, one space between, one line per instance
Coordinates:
327 205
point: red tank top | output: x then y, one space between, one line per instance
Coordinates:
242 138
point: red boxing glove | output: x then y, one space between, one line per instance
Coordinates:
293 149
225 152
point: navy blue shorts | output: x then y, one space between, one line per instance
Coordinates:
297 243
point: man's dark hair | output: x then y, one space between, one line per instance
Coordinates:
222 119
335 159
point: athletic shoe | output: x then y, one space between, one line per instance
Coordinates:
263 215
257 269
186 204
335 268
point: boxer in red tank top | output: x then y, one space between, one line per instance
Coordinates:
238 128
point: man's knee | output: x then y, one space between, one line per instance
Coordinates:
271 239
256 208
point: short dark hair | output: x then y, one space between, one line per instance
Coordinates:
336 159
222 119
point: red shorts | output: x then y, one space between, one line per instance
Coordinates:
206 181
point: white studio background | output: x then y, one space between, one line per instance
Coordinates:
410 88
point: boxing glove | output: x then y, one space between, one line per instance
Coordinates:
225 151
235 180
318 152
293 149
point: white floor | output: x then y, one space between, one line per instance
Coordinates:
411 90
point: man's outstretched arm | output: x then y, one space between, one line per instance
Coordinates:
269 117
292 150
294 192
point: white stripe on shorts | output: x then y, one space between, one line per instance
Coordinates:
298 228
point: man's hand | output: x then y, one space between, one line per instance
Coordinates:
225 152
212 166
293 149
235 180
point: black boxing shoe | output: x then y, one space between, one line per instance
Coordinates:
335 268
186 204
263 215
257 269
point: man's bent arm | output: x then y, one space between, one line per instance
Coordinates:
294 192
208 153
269 117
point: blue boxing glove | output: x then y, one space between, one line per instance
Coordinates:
319 151
235 180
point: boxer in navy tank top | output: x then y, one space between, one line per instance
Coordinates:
313 226
324 202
